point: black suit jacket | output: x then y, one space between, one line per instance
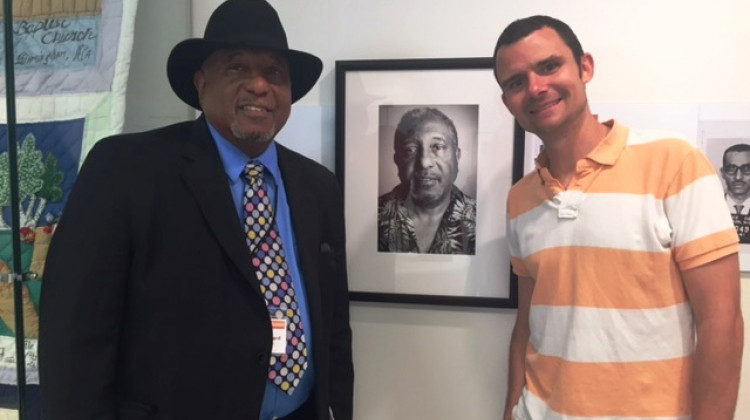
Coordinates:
149 306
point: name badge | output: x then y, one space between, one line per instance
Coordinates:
278 326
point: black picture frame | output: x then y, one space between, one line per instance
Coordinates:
365 91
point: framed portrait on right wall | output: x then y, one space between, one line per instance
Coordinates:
724 137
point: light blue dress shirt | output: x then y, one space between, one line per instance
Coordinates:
276 403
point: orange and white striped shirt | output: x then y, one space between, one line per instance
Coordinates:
612 333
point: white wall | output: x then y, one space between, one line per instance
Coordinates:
425 362
159 25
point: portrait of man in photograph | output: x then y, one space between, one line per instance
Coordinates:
426 212
735 171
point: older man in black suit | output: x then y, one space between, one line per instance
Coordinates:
198 270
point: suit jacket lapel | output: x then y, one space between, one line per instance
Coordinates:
306 224
204 176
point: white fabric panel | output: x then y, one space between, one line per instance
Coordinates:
53 108
581 334
8 361
634 222
702 200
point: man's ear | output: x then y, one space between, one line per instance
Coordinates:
199 81
587 67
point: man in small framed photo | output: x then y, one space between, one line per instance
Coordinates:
735 171
426 212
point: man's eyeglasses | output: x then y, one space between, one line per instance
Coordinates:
731 170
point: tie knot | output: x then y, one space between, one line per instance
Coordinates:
254 172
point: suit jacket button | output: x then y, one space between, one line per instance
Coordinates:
262 359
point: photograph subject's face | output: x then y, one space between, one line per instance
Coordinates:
428 161
736 173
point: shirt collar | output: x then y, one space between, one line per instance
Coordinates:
745 204
234 160
606 152
611 146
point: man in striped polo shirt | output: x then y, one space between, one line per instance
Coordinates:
625 251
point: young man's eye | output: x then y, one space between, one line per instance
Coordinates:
550 67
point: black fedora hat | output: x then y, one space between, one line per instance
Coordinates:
239 23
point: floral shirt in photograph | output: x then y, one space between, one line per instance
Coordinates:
455 235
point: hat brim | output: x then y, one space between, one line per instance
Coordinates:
188 56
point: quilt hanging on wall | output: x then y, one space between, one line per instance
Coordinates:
71 60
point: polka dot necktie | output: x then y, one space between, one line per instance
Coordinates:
269 261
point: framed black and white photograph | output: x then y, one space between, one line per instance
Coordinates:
724 136
425 155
